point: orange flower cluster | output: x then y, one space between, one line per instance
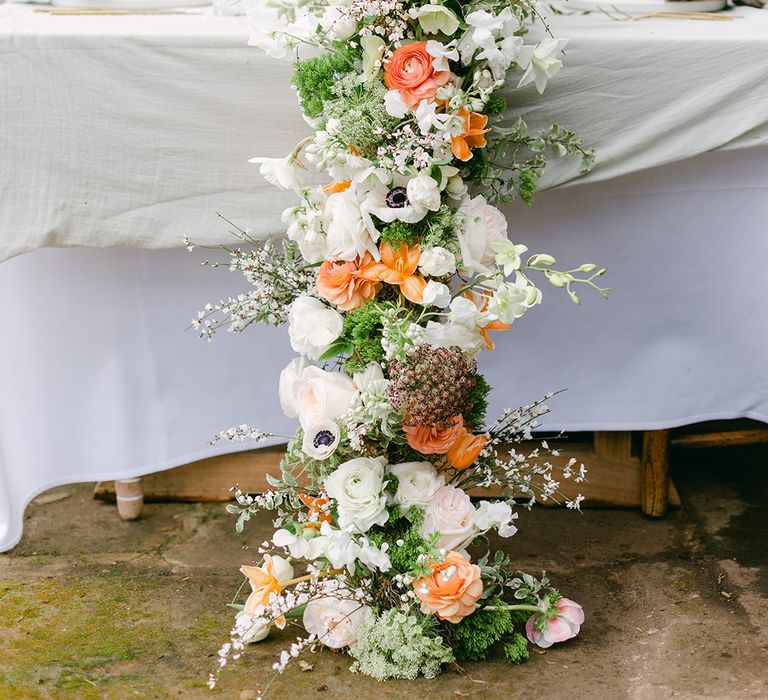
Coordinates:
460 447
343 283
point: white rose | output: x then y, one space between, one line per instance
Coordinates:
436 294
347 236
456 188
417 483
436 19
335 621
322 396
437 261
424 192
250 628
452 514
312 326
357 488
280 172
498 515
288 378
484 225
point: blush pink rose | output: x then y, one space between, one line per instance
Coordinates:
562 626
410 72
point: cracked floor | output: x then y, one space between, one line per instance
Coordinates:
93 607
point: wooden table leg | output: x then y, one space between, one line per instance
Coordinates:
130 498
655 484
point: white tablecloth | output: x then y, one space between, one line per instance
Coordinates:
98 379
135 130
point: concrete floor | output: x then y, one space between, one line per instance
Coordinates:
92 607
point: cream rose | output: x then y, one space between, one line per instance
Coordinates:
312 326
424 192
483 226
335 621
357 488
417 483
452 514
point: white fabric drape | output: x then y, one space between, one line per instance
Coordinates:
99 380
135 130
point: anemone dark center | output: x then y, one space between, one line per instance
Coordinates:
324 438
397 198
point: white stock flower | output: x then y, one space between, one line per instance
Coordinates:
297 546
373 557
484 225
424 192
312 326
250 628
451 513
339 547
442 54
373 52
417 483
436 294
482 29
280 172
428 118
357 488
436 19
497 515
511 300
335 621
540 62
370 379
437 261
462 327
347 235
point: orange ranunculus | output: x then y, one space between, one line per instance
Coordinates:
341 283
265 581
473 135
466 449
397 267
318 512
410 72
433 440
451 590
333 187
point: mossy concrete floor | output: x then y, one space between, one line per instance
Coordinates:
92 607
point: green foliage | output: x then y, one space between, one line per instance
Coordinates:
363 329
399 232
474 636
496 105
315 79
359 109
396 644
438 228
403 557
516 648
474 417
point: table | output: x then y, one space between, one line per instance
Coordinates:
100 380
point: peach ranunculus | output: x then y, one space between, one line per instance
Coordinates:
466 449
265 580
341 283
410 72
397 267
473 135
451 590
433 440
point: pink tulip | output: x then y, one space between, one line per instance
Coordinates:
563 625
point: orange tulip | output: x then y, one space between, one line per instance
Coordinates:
333 187
473 135
341 283
433 440
398 267
466 449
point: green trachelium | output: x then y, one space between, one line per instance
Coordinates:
474 636
398 644
315 78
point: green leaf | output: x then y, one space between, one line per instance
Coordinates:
339 347
236 606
